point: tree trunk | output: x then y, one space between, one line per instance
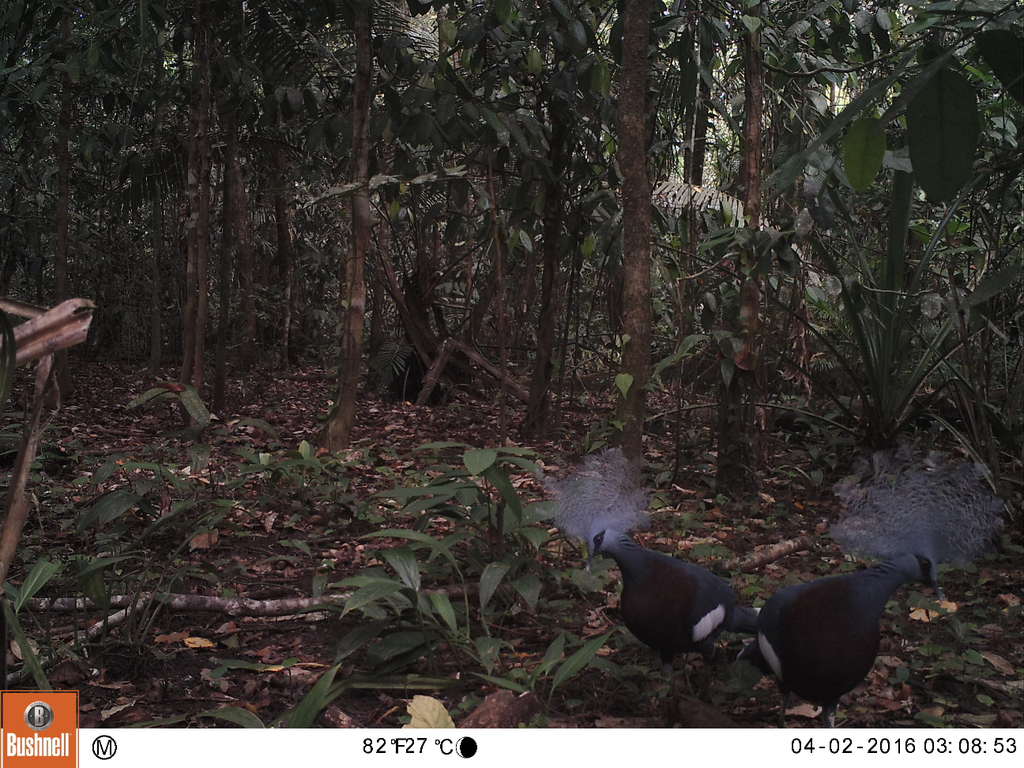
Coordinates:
246 282
499 275
242 238
157 223
342 419
230 245
735 473
198 228
242 226
636 222
62 371
156 331
283 211
700 121
538 421
376 289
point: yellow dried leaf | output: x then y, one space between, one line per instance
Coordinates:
198 642
428 712
920 614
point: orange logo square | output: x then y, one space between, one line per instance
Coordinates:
39 729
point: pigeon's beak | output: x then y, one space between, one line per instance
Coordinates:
590 561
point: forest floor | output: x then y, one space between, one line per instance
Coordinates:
249 511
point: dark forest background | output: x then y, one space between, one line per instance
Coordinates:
745 241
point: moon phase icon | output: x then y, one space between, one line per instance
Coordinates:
465 747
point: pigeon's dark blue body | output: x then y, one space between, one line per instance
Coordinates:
820 638
672 606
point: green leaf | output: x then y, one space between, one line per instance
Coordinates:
561 9
435 545
992 285
578 35
942 131
236 716
534 62
305 712
934 722
815 154
503 11
74 67
107 508
428 712
228 664
1003 51
600 82
89 575
489 649
489 581
298 544
536 536
502 683
973 657
443 606
623 382
371 593
447 490
36 579
429 502
575 663
529 587
404 562
448 32
479 459
395 645
863 151
440 445
495 122
752 23
499 479
552 655
727 367
28 655
196 408
359 637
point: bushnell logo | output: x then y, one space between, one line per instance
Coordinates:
38 716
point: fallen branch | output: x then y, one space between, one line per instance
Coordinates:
430 380
232 606
764 556
516 389
59 328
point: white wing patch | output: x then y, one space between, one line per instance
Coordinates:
769 655
708 624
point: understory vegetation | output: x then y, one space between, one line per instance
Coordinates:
418 564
